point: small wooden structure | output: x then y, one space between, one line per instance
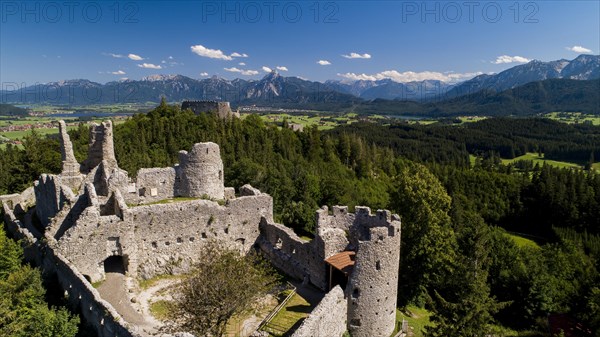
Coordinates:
340 268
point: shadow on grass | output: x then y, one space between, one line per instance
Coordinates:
300 308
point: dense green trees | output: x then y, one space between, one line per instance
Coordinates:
455 258
23 310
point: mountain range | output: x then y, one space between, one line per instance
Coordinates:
293 92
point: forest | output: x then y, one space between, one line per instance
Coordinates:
458 257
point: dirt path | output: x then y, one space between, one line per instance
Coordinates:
113 290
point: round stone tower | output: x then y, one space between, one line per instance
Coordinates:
202 172
372 288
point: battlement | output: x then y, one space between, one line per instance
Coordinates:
98 212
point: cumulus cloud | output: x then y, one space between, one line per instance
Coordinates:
118 72
135 57
357 56
242 71
113 55
323 62
204 74
358 77
281 68
266 69
149 66
238 55
210 53
242 64
170 57
410 76
510 59
580 50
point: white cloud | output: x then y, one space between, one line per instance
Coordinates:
238 55
170 57
149 66
118 72
242 63
358 77
580 49
210 53
281 68
357 56
204 74
242 71
163 61
411 76
266 69
113 55
510 59
323 62
135 57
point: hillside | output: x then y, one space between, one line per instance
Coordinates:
530 99
11 110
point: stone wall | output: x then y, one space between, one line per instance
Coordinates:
221 109
373 285
160 238
202 172
81 296
54 194
291 254
328 319
101 147
153 184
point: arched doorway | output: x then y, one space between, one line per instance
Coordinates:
115 264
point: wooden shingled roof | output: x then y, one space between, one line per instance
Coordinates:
343 261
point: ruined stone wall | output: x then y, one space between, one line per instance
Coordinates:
373 285
101 147
202 172
161 238
51 195
27 197
328 319
291 254
153 184
333 231
221 109
299 258
199 107
81 296
70 173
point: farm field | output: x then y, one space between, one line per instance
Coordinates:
573 117
537 159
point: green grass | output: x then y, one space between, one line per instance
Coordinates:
470 119
42 131
145 284
522 241
573 117
160 309
166 201
536 159
472 160
295 310
418 319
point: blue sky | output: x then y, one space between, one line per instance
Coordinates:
402 40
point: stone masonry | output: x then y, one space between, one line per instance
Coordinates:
94 211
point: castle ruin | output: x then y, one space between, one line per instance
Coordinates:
221 109
93 212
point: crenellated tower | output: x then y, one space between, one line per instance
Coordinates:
372 288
